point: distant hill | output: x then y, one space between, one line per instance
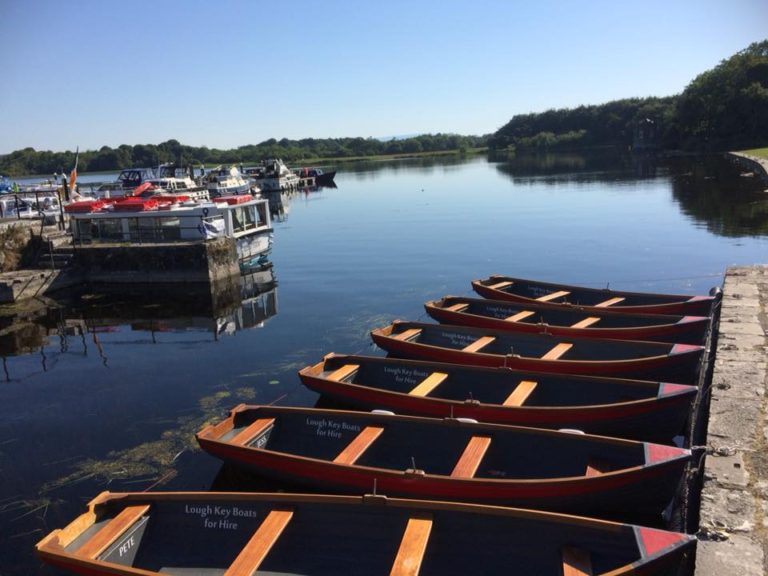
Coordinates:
723 108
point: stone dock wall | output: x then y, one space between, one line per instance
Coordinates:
733 534
752 163
158 263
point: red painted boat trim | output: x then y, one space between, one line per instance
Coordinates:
690 319
685 348
653 542
233 199
669 389
661 453
700 298
85 206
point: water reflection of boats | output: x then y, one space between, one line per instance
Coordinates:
279 204
246 302
230 308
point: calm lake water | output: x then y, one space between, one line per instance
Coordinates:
106 391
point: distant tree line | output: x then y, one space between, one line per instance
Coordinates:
723 108
31 161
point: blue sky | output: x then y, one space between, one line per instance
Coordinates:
223 74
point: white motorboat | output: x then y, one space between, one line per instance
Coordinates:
273 175
228 182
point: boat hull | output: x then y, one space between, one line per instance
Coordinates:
640 498
553 319
531 292
678 363
638 485
615 407
198 533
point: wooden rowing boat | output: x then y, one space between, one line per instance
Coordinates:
241 534
639 409
450 459
567 321
541 352
532 291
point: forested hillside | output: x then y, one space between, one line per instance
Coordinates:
723 108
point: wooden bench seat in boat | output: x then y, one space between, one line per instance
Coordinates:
412 546
360 444
586 323
520 316
344 372
109 534
428 384
501 285
557 351
553 296
576 562
262 541
478 344
610 302
408 334
521 392
247 435
458 307
470 459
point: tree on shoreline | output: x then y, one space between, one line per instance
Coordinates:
31 161
723 108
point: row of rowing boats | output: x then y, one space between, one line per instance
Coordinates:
469 417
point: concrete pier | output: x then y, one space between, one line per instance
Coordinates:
733 534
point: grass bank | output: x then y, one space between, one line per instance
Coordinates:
756 152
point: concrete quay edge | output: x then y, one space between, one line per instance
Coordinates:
733 528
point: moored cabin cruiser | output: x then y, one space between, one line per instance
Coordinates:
29 206
228 182
175 186
127 180
273 175
168 177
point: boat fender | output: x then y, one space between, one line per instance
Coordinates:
383 412
716 292
205 211
571 430
466 420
